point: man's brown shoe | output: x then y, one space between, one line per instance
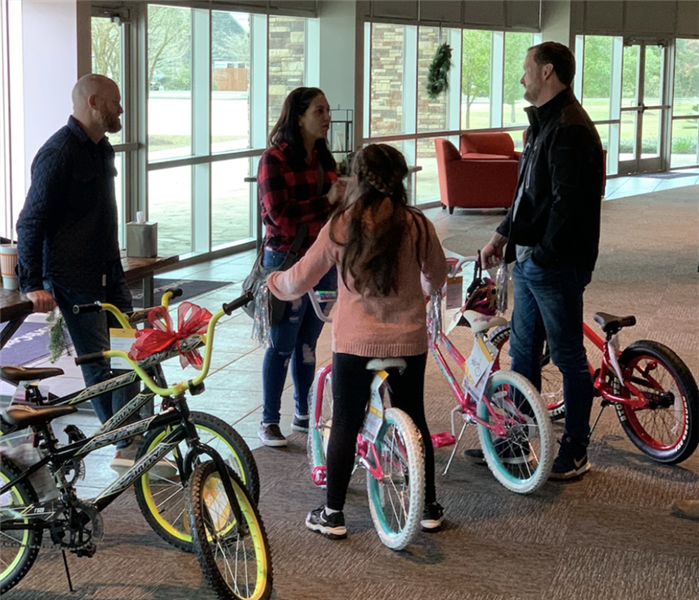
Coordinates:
689 509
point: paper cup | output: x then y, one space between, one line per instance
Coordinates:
8 262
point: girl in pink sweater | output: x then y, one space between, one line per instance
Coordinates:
388 257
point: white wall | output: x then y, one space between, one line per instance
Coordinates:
41 89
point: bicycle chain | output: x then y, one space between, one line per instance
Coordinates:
95 519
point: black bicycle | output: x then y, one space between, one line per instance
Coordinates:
227 533
160 495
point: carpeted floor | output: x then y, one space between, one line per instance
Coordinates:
608 536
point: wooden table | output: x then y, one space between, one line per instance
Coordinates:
14 308
141 270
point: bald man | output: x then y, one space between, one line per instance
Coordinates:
68 237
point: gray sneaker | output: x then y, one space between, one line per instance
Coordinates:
300 423
271 435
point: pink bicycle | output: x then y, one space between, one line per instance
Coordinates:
514 428
389 447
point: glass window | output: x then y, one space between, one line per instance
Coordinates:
427 186
686 98
597 77
431 113
387 62
231 218
287 56
516 46
476 79
170 206
685 143
107 60
230 81
169 82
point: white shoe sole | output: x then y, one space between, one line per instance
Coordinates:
332 533
274 443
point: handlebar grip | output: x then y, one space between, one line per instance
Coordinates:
237 303
87 308
174 292
89 358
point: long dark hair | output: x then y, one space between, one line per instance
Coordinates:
371 254
287 128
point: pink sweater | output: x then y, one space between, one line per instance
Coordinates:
372 326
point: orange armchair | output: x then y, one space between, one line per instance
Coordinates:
477 179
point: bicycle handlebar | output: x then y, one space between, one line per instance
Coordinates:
127 320
316 297
183 386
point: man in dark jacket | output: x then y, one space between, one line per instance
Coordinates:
68 249
552 232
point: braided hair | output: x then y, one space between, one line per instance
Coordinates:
379 219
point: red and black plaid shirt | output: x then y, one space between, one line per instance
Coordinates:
289 197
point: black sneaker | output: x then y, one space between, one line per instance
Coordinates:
271 435
509 453
332 526
432 517
300 423
571 460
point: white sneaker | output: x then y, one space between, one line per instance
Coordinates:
124 459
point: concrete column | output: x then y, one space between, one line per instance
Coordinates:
339 37
556 22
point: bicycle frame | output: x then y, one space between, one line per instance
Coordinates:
630 395
179 412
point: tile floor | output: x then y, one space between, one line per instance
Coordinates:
233 388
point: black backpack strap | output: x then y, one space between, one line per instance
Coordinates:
295 247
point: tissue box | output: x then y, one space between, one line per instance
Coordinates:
142 240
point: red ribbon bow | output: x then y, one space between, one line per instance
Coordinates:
191 319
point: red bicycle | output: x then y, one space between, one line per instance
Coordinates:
652 390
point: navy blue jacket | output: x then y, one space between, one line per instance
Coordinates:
561 173
67 231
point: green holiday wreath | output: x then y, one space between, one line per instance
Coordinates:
438 75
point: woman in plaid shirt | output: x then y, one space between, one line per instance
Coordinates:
294 178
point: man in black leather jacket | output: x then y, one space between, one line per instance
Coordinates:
552 233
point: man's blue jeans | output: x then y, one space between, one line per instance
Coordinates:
548 305
89 333
293 343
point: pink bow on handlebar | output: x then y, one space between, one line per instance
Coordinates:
191 319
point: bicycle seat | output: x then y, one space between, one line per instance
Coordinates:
17 374
26 416
612 324
480 322
381 364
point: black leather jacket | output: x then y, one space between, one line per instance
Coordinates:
561 173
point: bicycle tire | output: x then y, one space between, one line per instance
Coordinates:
522 460
551 381
320 402
14 566
669 432
163 501
217 545
397 501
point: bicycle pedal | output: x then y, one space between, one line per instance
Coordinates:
442 439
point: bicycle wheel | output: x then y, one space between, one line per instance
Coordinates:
520 455
551 381
19 547
667 430
162 500
235 567
397 499
320 401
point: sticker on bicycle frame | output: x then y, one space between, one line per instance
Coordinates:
455 292
121 339
477 368
374 413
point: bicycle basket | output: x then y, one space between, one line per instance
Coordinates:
481 294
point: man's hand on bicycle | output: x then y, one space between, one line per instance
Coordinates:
42 300
492 252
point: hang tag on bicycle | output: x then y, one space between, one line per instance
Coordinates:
455 292
121 339
374 414
477 368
